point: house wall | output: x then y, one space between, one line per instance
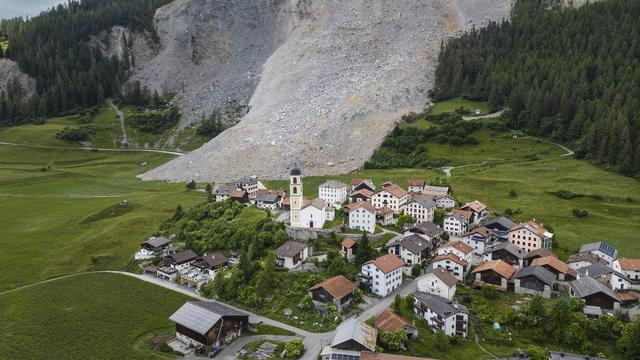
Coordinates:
445 203
453 267
578 264
382 284
630 274
478 243
604 256
384 198
524 238
454 227
433 285
332 195
531 286
361 219
448 325
419 213
312 214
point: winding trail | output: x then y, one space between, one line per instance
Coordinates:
92 148
120 114
488 116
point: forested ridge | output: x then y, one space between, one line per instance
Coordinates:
569 74
53 48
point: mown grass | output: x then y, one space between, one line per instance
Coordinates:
454 104
88 316
69 219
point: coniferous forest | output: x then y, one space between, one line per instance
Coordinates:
53 49
569 74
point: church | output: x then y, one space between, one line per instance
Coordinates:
306 213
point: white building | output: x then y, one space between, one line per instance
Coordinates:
153 247
269 199
602 249
478 238
248 184
457 266
333 193
362 217
421 210
629 267
479 210
416 186
383 275
606 275
391 196
441 314
445 202
222 192
459 249
580 260
411 249
456 222
181 260
306 214
292 254
438 281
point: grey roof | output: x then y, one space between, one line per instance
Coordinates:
597 270
586 286
247 180
214 259
224 189
201 316
439 305
555 355
157 241
542 252
267 197
353 329
444 275
296 171
436 190
317 203
539 272
290 248
334 184
602 246
510 247
503 221
183 256
426 203
414 243
428 228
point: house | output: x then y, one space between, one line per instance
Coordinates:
530 236
435 191
210 264
411 249
441 314
556 266
438 281
506 252
222 192
359 184
391 196
445 202
384 216
580 260
456 222
293 253
382 275
457 266
555 355
629 267
479 239
458 248
269 199
166 272
180 260
535 254
494 272
428 230
605 251
421 210
594 293
351 338
606 275
361 195
500 227
534 280
337 290
362 216
348 248
248 184
333 193
389 321
153 247
478 209
206 323
240 196
416 186
303 213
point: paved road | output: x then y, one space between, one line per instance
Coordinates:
408 287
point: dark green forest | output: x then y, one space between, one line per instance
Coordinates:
53 48
569 74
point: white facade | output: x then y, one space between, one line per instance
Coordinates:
455 322
478 244
455 225
456 269
315 215
363 218
431 284
291 262
420 211
333 193
604 256
382 284
445 202
632 273
295 198
385 198
457 251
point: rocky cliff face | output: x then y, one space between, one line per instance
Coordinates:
10 71
325 81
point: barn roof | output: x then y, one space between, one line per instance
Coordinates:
201 316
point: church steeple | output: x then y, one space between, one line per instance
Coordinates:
295 195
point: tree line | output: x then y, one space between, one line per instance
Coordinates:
54 49
569 74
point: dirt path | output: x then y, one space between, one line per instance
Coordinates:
91 148
488 116
120 114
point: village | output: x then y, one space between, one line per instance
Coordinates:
427 259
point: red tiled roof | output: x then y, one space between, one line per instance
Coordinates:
502 268
458 245
389 321
453 257
348 243
396 190
364 192
476 206
416 182
629 264
338 286
559 265
387 263
466 213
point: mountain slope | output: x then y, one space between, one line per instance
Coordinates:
341 73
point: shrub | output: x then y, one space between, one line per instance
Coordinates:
564 194
72 135
513 194
191 185
580 213
489 292
294 348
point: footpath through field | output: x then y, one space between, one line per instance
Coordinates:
92 148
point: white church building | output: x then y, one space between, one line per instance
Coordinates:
305 213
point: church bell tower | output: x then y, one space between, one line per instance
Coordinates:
295 196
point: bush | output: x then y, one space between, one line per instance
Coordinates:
580 213
564 194
294 348
513 194
191 185
489 292
416 270
73 134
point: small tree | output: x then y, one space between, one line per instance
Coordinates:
416 270
209 191
392 341
191 185
294 348
365 252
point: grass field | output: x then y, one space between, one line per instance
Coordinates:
68 219
88 316
453 104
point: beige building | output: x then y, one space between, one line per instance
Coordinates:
421 210
530 236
